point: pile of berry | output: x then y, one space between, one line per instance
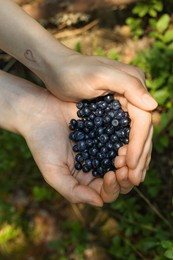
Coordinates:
102 129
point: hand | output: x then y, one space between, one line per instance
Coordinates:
45 129
133 159
86 77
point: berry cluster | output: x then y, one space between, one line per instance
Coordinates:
102 129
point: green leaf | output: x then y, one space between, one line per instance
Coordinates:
158 6
167 244
161 95
163 22
169 253
153 13
168 36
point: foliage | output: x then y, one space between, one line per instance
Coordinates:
142 220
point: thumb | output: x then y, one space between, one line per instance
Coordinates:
131 88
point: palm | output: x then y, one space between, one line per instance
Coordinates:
52 150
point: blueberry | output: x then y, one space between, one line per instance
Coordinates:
81 145
125 122
115 105
85 168
115 122
101 156
98 121
106 163
80 113
117 146
109 145
79 158
79 135
99 112
78 166
88 163
109 130
89 124
99 131
86 130
109 98
85 155
89 142
72 127
103 138
80 124
106 119
75 148
79 105
111 113
125 140
93 151
102 104
93 106
102 129
95 173
95 163
113 138
72 136
86 111
91 134
111 154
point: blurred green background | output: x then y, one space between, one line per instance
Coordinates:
35 221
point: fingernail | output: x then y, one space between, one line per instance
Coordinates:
149 101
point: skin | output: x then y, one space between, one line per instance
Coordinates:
70 77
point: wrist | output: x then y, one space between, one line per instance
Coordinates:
19 103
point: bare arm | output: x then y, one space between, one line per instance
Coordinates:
26 40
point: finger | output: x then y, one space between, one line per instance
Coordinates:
120 161
131 70
110 188
121 82
61 180
136 175
147 164
122 150
123 180
140 128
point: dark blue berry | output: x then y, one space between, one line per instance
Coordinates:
75 148
81 145
78 166
95 163
79 158
106 119
72 136
93 151
85 155
79 135
115 122
89 142
109 98
88 163
85 168
125 122
98 121
103 138
79 105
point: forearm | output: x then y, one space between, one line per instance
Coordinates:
26 40
17 97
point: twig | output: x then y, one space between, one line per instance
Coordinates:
152 207
70 33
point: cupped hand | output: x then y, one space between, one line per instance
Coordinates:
46 132
133 159
79 77
84 77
